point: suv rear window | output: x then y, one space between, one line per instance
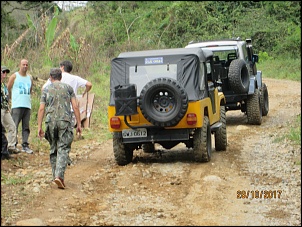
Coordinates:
142 74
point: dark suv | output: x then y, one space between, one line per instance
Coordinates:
165 96
235 66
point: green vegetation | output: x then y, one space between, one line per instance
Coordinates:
286 68
5 179
92 36
295 131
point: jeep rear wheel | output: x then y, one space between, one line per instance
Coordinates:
239 79
202 143
122 153
253 109
163 102
221 134
264 100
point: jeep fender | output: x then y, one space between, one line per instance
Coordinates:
221 98
255 82
259 78
220 101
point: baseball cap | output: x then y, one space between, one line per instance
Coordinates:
4 68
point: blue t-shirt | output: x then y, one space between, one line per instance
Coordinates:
21 91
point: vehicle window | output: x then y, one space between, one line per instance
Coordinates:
142 74
208 68
245 54
202 77
223 55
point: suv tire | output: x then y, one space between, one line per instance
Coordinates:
163 102
254 109
122 153
239 79
202 142
221 134
264 100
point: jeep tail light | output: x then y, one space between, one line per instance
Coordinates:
115 122
191 119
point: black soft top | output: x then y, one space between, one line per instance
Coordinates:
188 67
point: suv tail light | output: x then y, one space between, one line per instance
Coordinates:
191 119
115 122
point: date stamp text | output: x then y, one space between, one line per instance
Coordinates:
259 194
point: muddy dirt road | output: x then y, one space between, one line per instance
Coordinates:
168 188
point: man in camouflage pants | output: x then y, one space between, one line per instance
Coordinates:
55 103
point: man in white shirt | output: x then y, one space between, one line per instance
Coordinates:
74 81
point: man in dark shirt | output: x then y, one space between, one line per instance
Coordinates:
55 103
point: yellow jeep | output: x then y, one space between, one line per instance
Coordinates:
166 96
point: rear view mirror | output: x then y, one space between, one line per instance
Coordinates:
255 58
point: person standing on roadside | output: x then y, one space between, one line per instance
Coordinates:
6 118
55 103
74 81
4 151
20 88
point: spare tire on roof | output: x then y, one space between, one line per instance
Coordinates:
238 76
163 102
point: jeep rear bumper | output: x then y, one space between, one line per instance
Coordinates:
160 135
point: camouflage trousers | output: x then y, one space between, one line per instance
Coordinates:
60 136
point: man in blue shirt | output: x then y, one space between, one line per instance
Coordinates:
20 89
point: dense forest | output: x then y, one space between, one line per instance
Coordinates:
92 35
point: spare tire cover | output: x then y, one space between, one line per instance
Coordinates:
163 102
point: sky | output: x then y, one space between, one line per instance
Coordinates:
68 5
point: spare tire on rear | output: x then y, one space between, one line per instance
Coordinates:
163 102
239 79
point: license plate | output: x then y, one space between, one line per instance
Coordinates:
134 133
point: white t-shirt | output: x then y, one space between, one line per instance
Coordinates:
74 81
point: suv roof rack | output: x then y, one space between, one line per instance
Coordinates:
224 39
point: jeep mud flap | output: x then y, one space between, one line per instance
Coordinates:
216 126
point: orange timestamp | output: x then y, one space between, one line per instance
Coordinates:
259 194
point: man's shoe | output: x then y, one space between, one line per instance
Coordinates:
27 150
60 183
13 150
5 156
